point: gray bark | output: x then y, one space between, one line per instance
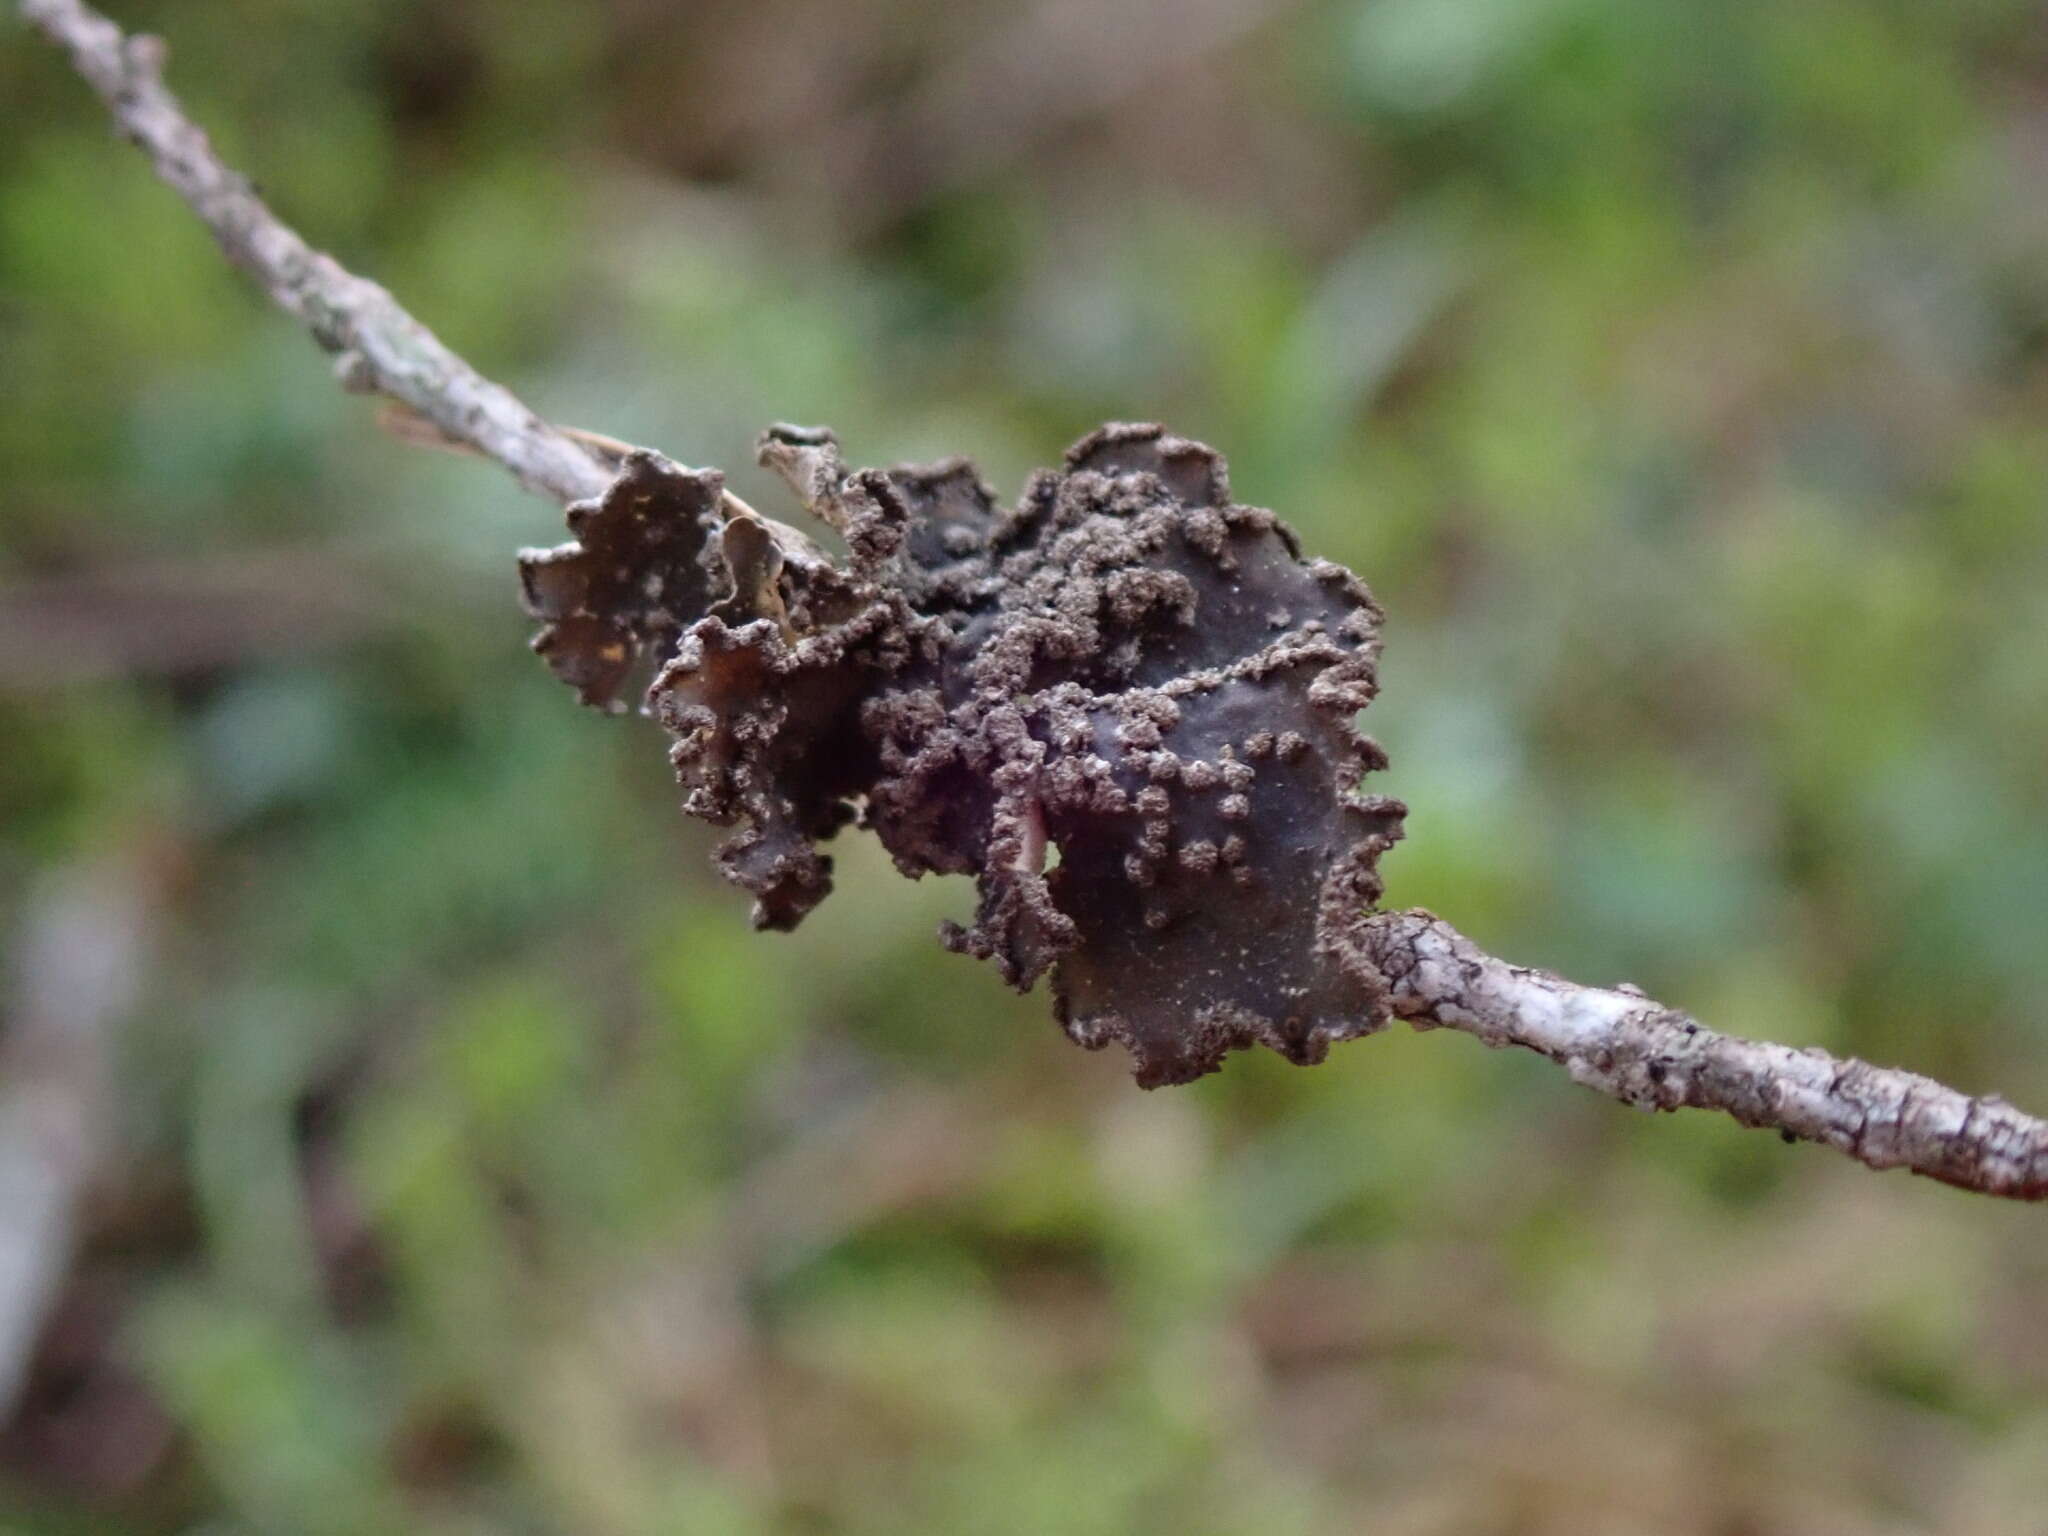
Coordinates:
1623 1044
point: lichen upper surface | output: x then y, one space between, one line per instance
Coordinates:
639 573
1128 670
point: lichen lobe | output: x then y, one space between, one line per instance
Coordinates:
637 574
1126 707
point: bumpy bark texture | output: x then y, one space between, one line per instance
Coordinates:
1128 668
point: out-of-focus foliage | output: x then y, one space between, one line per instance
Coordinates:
1677 374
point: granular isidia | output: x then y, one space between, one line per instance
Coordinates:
1128 668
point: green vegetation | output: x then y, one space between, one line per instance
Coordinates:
1677 375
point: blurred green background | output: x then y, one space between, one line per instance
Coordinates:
459 1162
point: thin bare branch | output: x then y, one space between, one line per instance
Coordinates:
377 345
1623 1044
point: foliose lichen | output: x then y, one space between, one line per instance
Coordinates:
1126 707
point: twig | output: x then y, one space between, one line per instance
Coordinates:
1616 1041
1622 1044
377 345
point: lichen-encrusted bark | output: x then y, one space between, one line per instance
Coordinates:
1129 669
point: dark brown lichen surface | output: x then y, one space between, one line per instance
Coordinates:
1127 707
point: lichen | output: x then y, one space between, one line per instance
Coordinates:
637 575
1128 667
